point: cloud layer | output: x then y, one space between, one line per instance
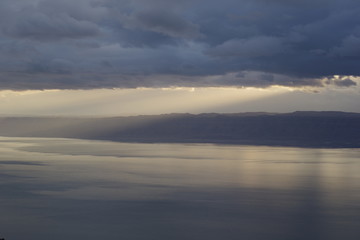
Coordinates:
47 44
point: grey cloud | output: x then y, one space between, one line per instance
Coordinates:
345 83
82 10
165 23
16 50
132 37
261 80
58 66
248 48
51 20
123 43
267 77
43 27
350 47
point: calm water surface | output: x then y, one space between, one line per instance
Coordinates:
76 189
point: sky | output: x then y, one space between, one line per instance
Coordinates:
120 57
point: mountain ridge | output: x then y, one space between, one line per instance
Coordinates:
328 129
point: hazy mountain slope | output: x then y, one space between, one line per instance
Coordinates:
311 129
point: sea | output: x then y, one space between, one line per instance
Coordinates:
52 188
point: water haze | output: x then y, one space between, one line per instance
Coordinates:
80 189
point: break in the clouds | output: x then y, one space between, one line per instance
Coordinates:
85 44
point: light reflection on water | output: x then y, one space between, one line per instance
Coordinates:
76 189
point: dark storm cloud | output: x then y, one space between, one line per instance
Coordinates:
350 47
48 20
248 48
41 27
156 43
163 22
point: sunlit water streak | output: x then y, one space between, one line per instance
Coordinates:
77 189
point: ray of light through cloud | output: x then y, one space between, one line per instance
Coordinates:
238 56
147 101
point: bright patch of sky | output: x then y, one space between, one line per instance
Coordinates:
125 102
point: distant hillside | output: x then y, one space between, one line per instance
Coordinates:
305 129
